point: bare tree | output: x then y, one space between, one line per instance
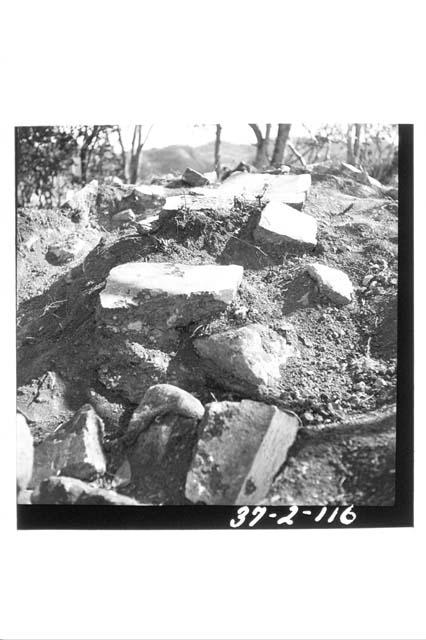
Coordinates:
217 161
123 153
136 152
354 135
262 147
280 143
89 135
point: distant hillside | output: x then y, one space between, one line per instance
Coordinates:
175 158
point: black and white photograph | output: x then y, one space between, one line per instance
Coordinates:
211 322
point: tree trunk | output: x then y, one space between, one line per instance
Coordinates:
85 151
123 154
280 143
262 148
217 162
349 145
357 143
136 151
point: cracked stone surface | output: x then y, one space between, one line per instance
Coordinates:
75 449
241 447
334 283
166 295
280 223
251 355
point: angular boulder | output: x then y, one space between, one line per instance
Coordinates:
250 355
162 399
241 447
280 223
74 449
332 282
43 400
194 178
160 459
124 217
148 197
65 490
82 203
343 464
62 252
139 295
24 453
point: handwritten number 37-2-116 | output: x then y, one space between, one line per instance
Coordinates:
344 515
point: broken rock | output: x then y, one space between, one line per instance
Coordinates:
74 449
63 252
242 446
83 203
66 490
332 282
194 178
162 399
132 368
280 223
160 458
251 355
139 294
24 453
123 217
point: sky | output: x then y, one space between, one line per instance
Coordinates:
163 135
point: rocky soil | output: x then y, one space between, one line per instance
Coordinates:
291 366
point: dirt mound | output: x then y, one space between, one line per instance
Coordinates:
333 378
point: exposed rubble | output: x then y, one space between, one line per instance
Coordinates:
272 295
63 490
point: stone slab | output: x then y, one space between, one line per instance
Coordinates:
249 356
334 283
75 449
281 223
241 447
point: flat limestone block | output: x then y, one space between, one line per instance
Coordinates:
334 283
241 447
127 282
272 187
280 222
205 200
74 450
